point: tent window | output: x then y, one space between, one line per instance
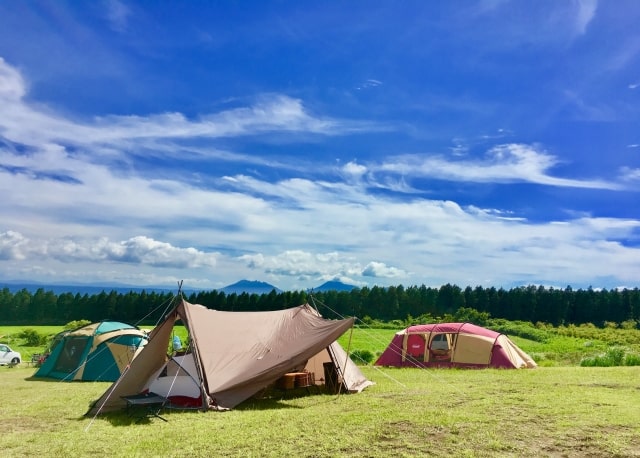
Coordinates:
440 342
441 346
72 351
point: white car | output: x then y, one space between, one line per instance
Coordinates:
8 356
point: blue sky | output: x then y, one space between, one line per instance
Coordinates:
492 143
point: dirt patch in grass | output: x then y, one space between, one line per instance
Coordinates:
592 444
24 424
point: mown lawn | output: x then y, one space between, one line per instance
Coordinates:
549 411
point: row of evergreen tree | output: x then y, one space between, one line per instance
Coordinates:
530 303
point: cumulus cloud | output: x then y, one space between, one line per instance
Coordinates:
12 246
138 250
381 270
299 263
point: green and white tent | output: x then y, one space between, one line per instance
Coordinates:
97 352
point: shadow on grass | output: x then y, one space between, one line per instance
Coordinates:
271 400
33 378
278 399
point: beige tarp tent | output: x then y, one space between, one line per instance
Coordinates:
233 355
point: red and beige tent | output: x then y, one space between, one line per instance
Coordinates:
453 345
232 356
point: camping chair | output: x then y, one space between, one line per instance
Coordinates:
36 360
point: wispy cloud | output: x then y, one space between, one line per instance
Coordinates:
118 15
370 83
630 174
586 11
508 163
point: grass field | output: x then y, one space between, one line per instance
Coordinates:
558 411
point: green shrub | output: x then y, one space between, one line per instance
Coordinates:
632 359
615 356
522 329
32 338
362 357
469 315
629 324
71 325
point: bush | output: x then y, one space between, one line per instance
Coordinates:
632 359
629 324
72 325
32 338
613 357
469 315
362 357
522 329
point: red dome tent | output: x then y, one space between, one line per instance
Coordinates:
453 345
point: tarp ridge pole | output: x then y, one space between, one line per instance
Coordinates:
346 360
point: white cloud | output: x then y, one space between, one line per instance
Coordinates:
12 85
629 174
585 14
381 270
138 250
12 245
118 15
354 170
508 163
31 125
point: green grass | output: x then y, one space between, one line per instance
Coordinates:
559 409
556 411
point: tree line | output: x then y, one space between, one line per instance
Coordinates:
534 304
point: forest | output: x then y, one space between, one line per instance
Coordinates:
414 303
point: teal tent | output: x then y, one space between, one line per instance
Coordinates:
98 352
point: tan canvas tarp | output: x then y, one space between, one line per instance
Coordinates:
350 376
237 354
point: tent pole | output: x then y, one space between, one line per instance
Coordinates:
186 320
346 359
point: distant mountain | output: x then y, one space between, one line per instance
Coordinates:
334 286
249 287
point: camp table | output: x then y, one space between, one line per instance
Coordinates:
149 404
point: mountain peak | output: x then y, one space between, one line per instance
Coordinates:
249 287
334 285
